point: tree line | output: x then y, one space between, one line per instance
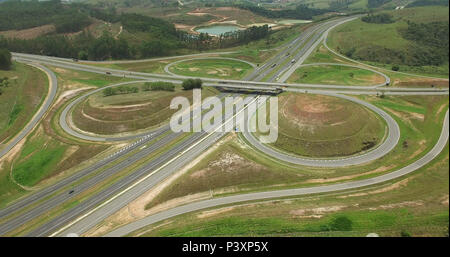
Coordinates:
429 46
148 86
204 41
376 3
382 18
5 59
17 15
154 37
301 12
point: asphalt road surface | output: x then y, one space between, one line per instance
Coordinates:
129 228
53 86
388 144
95 209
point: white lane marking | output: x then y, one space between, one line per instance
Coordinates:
150 174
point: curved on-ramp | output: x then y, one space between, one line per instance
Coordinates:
388 144
438 147
52 88
65 115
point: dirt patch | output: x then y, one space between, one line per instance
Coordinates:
397 205
326 180
444 200
315 212
394 186
207 214
71 93
420 82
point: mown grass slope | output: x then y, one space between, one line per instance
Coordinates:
401 43
212 68
335 75
127 113
21 98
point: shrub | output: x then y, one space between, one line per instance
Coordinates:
190 84
5 59
382 18
405 234
341 223
162 86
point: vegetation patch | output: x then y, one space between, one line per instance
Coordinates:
232 168
117 113
336 75
417 40
417 209
212 68
324 126
21 95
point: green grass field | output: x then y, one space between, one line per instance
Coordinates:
21 99
335 75
234 168
212 68
129 112
415 205
374 42
322 126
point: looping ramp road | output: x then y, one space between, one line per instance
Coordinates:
95 209
129 228
388 144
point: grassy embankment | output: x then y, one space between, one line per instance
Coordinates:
322 55
212 68
373 42
335 75
47 153
323 126
21 98
130 112
232 168
415 205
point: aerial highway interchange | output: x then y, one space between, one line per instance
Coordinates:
112 198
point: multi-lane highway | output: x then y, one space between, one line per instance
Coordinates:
110 199
260 196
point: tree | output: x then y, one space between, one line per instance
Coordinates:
146 86
5 59
108 91
395 68
190 84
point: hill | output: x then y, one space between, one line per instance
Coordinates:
414 37
99 32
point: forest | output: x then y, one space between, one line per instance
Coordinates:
158 37
382 18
